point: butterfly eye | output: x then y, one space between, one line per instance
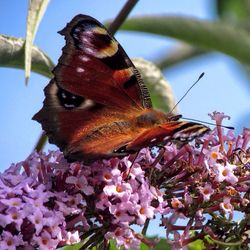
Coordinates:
69 100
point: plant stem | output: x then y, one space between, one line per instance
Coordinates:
122 15
146 224
41 142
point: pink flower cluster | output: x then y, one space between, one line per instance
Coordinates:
48 203
32 212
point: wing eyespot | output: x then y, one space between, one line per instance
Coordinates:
69 100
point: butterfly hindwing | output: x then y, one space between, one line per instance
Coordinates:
81 127
181 131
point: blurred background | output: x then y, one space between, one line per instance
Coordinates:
225 86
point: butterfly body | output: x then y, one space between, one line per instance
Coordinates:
97 105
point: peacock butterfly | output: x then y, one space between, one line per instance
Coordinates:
97 105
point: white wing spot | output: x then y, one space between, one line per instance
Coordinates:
63 95
85 39
84 58
80 70
69 105
87 104
153 140
89 50
166 138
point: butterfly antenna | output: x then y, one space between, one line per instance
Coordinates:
209 123
201 75
190 119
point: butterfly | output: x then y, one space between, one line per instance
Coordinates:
97 106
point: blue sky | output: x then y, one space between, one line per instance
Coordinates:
224 87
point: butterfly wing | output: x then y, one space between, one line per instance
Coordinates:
95 92
181 131
94 65
97 106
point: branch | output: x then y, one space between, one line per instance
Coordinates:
122 15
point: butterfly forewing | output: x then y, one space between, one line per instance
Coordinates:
93 60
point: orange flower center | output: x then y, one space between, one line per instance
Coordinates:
231 191
45 241
37 221
142 210
118 232
227 205
225 172
206 191
107 176
9 242
14 216
127 241
214 155
118 189
118 213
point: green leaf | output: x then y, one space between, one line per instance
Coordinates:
179 55
197 245
212 36
12 55
35 14
162 245
74 247
233 11
112 245
160 90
